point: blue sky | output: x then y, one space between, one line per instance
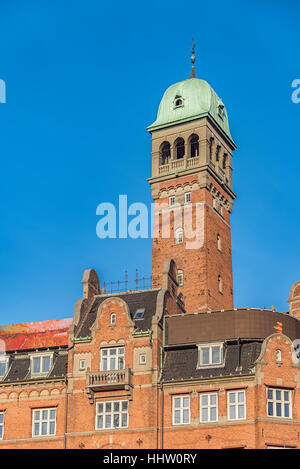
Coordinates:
84 79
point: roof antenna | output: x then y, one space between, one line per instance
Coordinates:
193 58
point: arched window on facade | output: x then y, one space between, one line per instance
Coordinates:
220 284
278 356
224 160
194 145
113 318
179 148
179 236
165 153
219 245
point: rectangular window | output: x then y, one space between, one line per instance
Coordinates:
113 414
171 201
1 425
236 405
187 197
181 410
112 358
41 364
209 407
210 354
44 422
279 403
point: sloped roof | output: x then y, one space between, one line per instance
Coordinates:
32 335
135 300
181 363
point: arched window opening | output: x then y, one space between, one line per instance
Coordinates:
194 146
278 356
219 246
179 236
179 148
113 318
165 152
220 284
178 101
224 160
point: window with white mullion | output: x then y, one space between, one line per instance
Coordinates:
111 414
112 358
236 405
41 364
279 403
210 354
209 407
44 422
1 425
181 410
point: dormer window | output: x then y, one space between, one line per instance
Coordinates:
178 101
210 355
3 366
221 110
139 314
41 364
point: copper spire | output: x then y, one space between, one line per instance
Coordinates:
193 58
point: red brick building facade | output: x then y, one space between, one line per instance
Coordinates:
175 366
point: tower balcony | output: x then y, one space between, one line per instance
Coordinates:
112 380
180 164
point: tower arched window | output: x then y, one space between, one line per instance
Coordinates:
219 245
220 284
179 148
194 145
179 236
165 152
224 160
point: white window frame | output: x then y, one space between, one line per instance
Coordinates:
236 404
181 409
172 201
42 420
109 356
143 360
281 401
188 195
210 363
112 412
4 359
82 365
2 425
180 276
208 406
179 236
139 310
41 356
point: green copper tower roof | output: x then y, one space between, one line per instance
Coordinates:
189 100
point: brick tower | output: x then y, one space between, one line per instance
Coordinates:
192 166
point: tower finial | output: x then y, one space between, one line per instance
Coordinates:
193 58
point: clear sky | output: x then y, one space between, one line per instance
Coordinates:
84 79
